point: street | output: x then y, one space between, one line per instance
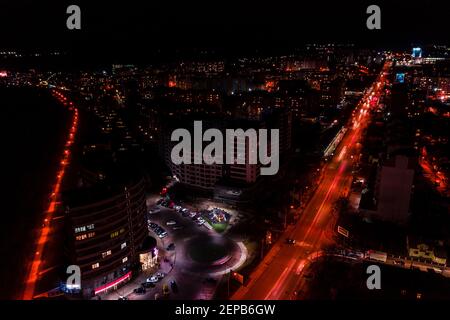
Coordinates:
278 276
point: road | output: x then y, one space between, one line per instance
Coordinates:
38 264
279 275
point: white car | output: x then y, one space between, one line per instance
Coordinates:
192 214
153 279
162 235
160 275
171 222
200 221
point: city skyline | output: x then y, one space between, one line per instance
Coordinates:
229 153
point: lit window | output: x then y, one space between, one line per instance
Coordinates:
81 237
123 245
91 234
84 228
114 234
124 259
95 265
106 253
80 229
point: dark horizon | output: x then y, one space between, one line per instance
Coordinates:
114 29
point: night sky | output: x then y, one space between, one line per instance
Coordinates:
126 27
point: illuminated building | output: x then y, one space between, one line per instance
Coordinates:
105 228
230 181
425 251
148 253
400 77
417 55
417 52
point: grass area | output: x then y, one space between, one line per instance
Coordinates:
218 227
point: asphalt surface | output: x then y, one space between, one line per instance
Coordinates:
279 275
179 267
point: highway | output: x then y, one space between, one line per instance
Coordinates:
279 275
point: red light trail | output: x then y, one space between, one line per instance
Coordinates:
278 275
436 177
33 274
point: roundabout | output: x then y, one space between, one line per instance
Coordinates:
211 254
207 250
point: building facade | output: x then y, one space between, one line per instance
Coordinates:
105 231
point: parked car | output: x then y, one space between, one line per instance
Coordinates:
171 222
192 214
140 290
148 285
153 279
171 247
160 232
177 228
174 286
160 275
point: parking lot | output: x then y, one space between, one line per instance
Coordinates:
193 256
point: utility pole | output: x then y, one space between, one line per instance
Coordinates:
229 276
262 249
285 217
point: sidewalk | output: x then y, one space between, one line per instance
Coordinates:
136 282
